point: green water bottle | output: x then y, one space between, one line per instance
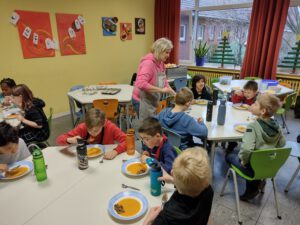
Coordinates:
38 163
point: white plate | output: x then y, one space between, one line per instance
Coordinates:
27 164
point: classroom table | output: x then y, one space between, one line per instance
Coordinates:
240 83
70 195
219 133
124 98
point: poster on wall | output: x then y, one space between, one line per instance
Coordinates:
125 31
140 25
109 26
70 29
35 34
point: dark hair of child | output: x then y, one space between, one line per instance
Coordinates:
8 134
251 85
196 78
9 82
150 126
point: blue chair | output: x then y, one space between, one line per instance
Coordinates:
180 83
76 105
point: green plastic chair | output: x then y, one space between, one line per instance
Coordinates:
49 120
282 111
265 164
173 137
252 78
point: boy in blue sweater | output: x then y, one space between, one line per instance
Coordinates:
180 122
158 145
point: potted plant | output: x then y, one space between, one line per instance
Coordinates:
200 53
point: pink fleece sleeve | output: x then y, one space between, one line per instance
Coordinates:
146 75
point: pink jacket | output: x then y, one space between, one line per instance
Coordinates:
146 75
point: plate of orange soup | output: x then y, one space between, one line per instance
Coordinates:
95 150
134 167
128 205
241 106
17 170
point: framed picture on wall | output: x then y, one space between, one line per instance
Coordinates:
140 26
109 26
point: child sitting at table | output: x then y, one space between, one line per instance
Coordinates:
7 85
247 95
96 130
263 133
34 125
191 203
177 120
199 88
160 148
12 148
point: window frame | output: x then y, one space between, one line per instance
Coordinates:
183 37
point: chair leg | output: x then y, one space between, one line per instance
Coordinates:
236 190
237 197
284 125
292 179
275 196
225 183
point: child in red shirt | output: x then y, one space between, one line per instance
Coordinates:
247 95
96 130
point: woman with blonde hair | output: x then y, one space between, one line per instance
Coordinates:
151 79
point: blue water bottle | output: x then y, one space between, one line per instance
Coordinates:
155 173
222 112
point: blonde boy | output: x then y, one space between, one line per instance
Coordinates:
263 133
191 202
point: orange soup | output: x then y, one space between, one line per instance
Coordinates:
131 206
16 172
137 168
93 151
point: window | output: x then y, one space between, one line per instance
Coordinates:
212 18
290 37
182 32
200 32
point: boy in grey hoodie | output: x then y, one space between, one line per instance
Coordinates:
263 133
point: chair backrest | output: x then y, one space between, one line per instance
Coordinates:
49 119
180 83
173 137
109 106
107 83
74 88
289 100
252 78
266 162
161 105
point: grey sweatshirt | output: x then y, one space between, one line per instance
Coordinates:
21 154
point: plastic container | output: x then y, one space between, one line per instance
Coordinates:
225 80
270 82
130 142
38 163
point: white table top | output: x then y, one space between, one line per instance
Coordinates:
69 195
227 131
241 83
124 96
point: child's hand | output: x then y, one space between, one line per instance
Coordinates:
144 157
166 177
153 213
73 140
111 154
200 120
7 100
3 167
239 92
19 117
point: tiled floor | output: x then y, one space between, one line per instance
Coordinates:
260 211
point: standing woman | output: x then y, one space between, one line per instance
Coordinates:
151 79
34 122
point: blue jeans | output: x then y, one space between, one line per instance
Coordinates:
136 106
232 158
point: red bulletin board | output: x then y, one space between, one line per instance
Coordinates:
68 45
39 22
